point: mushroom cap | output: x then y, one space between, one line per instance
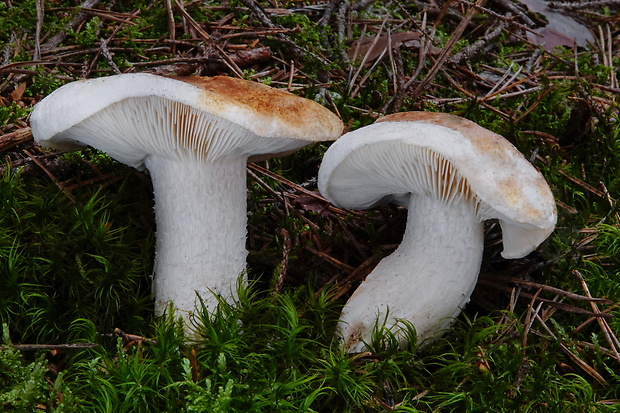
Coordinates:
446 157
130 116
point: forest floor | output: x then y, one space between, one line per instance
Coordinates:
77 229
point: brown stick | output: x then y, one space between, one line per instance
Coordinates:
15 138
553 290
30 347
285 254
52 177
607 331
456 35
209 41
560 306
62 35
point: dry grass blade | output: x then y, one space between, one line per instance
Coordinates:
359 273
530 316
607 331
574 357
582 184
33 347
559 305
335 262
52 177
301 189
552 290
209 41
454 37
365 59
284 264
79 19
583 365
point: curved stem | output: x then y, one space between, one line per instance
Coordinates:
427 280
200 211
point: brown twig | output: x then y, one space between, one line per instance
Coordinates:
549 289
607 331
582 184
15 138
31 347
285 256
80 18
301 189
266 21
209 41
52 177
535 297
357 274
39 28
469 51
131 339
171 25
581 4
454 37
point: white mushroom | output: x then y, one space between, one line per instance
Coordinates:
451 174
194 135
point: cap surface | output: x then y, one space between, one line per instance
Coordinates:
131 115
446 157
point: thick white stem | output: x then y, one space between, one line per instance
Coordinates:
427 280
200 211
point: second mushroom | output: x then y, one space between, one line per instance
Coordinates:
451 174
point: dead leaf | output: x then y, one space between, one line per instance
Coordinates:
17 94
310 203
561 29
359 49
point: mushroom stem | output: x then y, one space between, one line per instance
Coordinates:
200 210
427 280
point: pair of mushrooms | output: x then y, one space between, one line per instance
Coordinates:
195 135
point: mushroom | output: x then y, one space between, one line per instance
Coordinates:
451 174
194 135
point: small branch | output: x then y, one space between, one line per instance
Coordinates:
330 259
30 347
52 177
15 138
266 21
39 28
171 25
581 4
106 53
285 254
74 24
510 5
131 339
301 189
553 290
209 41
456 35
358 273
607 331
467 52
535 297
